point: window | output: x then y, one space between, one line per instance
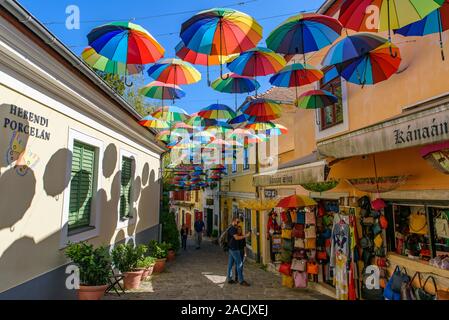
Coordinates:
331 115
234 161
248 225
245 158
126 188
82 186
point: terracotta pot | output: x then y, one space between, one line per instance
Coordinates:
91 292
171 255
132 279
159 266
147 272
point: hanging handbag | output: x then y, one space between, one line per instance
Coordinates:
287 244
407 289
376 228
328 220
327 233
321 256
300 279
442 226
378 241
310 243
298 231
310 231
366 243
310 217
300 217
300 254
287 281
378 204
286 233
383 222
299 243
299 265
389 294
368 221
422 294
418 223
286 256
285 268
312 267
293 216
398 278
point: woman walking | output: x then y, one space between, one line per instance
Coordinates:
184 233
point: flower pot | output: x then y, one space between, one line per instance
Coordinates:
159 266
91 292
147 272
132 279
171 255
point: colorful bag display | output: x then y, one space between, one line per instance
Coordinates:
422 294
310 243
312 267
299 243
383 222
286 256
299 265
321 255
293 216
418 223
287 244
300 279
377 228
398 278
310 231
300 254
285 268
300 217
390 294
310 217
442 226
287 281
286 233
298 231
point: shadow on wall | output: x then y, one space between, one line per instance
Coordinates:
109 160
56 176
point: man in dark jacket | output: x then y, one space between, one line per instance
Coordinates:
199 230
234 252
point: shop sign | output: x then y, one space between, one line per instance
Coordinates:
270 193
209 202
428 126
30 123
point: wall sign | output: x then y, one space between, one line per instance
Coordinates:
270 193
33 125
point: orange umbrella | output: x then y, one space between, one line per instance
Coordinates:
296 201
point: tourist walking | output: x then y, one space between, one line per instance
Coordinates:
184 233
242 246
199 230
234 252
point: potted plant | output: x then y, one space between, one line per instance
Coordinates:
158 251
125 258
94 269
170 233
171 253
147 265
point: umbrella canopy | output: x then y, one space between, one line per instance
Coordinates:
161 90
217 112
240 118
260 126
125 42
296 201
278 130
436 22
296 75
220 32
174 71
198 58
152 122
164 135
170 113
304 33
262 109
257 62
235 83
315 99
101 63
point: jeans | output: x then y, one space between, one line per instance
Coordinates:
242 256
184 242
235 257
199 238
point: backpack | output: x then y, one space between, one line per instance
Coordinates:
223 240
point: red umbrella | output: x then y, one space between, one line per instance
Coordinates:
296 201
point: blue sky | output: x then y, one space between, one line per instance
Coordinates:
163 20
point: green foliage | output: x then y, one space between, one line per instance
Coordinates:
115 81
94 264
214 233
157 250
126 256
146 262
170 232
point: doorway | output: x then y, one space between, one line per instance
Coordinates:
209 220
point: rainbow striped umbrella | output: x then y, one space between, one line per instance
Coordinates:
277 131
240 118
234 84
261 126
101 63
262 109
155 123
174 71
217 112
393 14
161 90
316 99
304 33
171 114
164 135
220 32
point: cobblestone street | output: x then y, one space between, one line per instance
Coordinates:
201 274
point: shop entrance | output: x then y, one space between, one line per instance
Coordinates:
209 220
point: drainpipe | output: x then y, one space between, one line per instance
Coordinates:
257 212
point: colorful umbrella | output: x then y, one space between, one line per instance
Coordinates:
234 83
296 201
217 112
304 33
260 126
436 22
164 135
296 75
152 122
316 99
362 15
262 109
161 90
101 63
240 118
125 42
220 32
277 130
171 114
174 71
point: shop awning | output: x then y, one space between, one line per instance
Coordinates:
304 170
412 128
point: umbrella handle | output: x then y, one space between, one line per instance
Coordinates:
224 77
393 54
128 84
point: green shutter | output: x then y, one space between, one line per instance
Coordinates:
125 190
81 185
